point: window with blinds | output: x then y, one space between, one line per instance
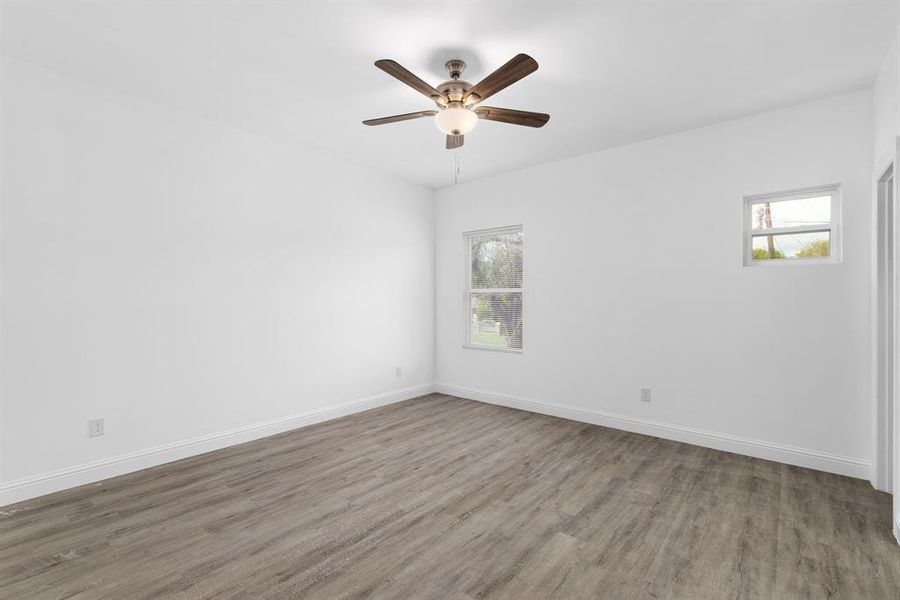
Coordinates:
494 289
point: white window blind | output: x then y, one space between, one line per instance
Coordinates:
494 294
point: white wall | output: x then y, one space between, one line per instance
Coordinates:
634 278
181 278
886 101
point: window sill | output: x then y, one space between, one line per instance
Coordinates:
792 261
489 349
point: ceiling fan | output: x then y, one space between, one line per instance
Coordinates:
457 113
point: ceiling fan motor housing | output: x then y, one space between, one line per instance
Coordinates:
455 88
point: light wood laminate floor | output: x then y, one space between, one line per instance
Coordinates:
444 498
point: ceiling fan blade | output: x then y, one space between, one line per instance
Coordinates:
517 68
397 71
516 117
454 141
404 117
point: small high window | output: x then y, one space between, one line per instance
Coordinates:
800 226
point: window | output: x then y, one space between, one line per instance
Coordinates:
494 289
800 226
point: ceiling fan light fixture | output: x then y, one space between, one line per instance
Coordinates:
456 120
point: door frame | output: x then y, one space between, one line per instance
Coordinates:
886 417
884 312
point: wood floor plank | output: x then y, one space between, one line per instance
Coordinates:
440 497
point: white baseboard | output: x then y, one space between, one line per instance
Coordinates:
62 479
792 455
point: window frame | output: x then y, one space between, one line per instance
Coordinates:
468 290
833 227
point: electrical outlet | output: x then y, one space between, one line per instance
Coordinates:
398 371
96 427
645 394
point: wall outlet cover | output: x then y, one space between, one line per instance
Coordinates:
96 427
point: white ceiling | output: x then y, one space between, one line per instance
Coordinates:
611 73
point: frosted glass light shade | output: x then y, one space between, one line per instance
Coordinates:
456 121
